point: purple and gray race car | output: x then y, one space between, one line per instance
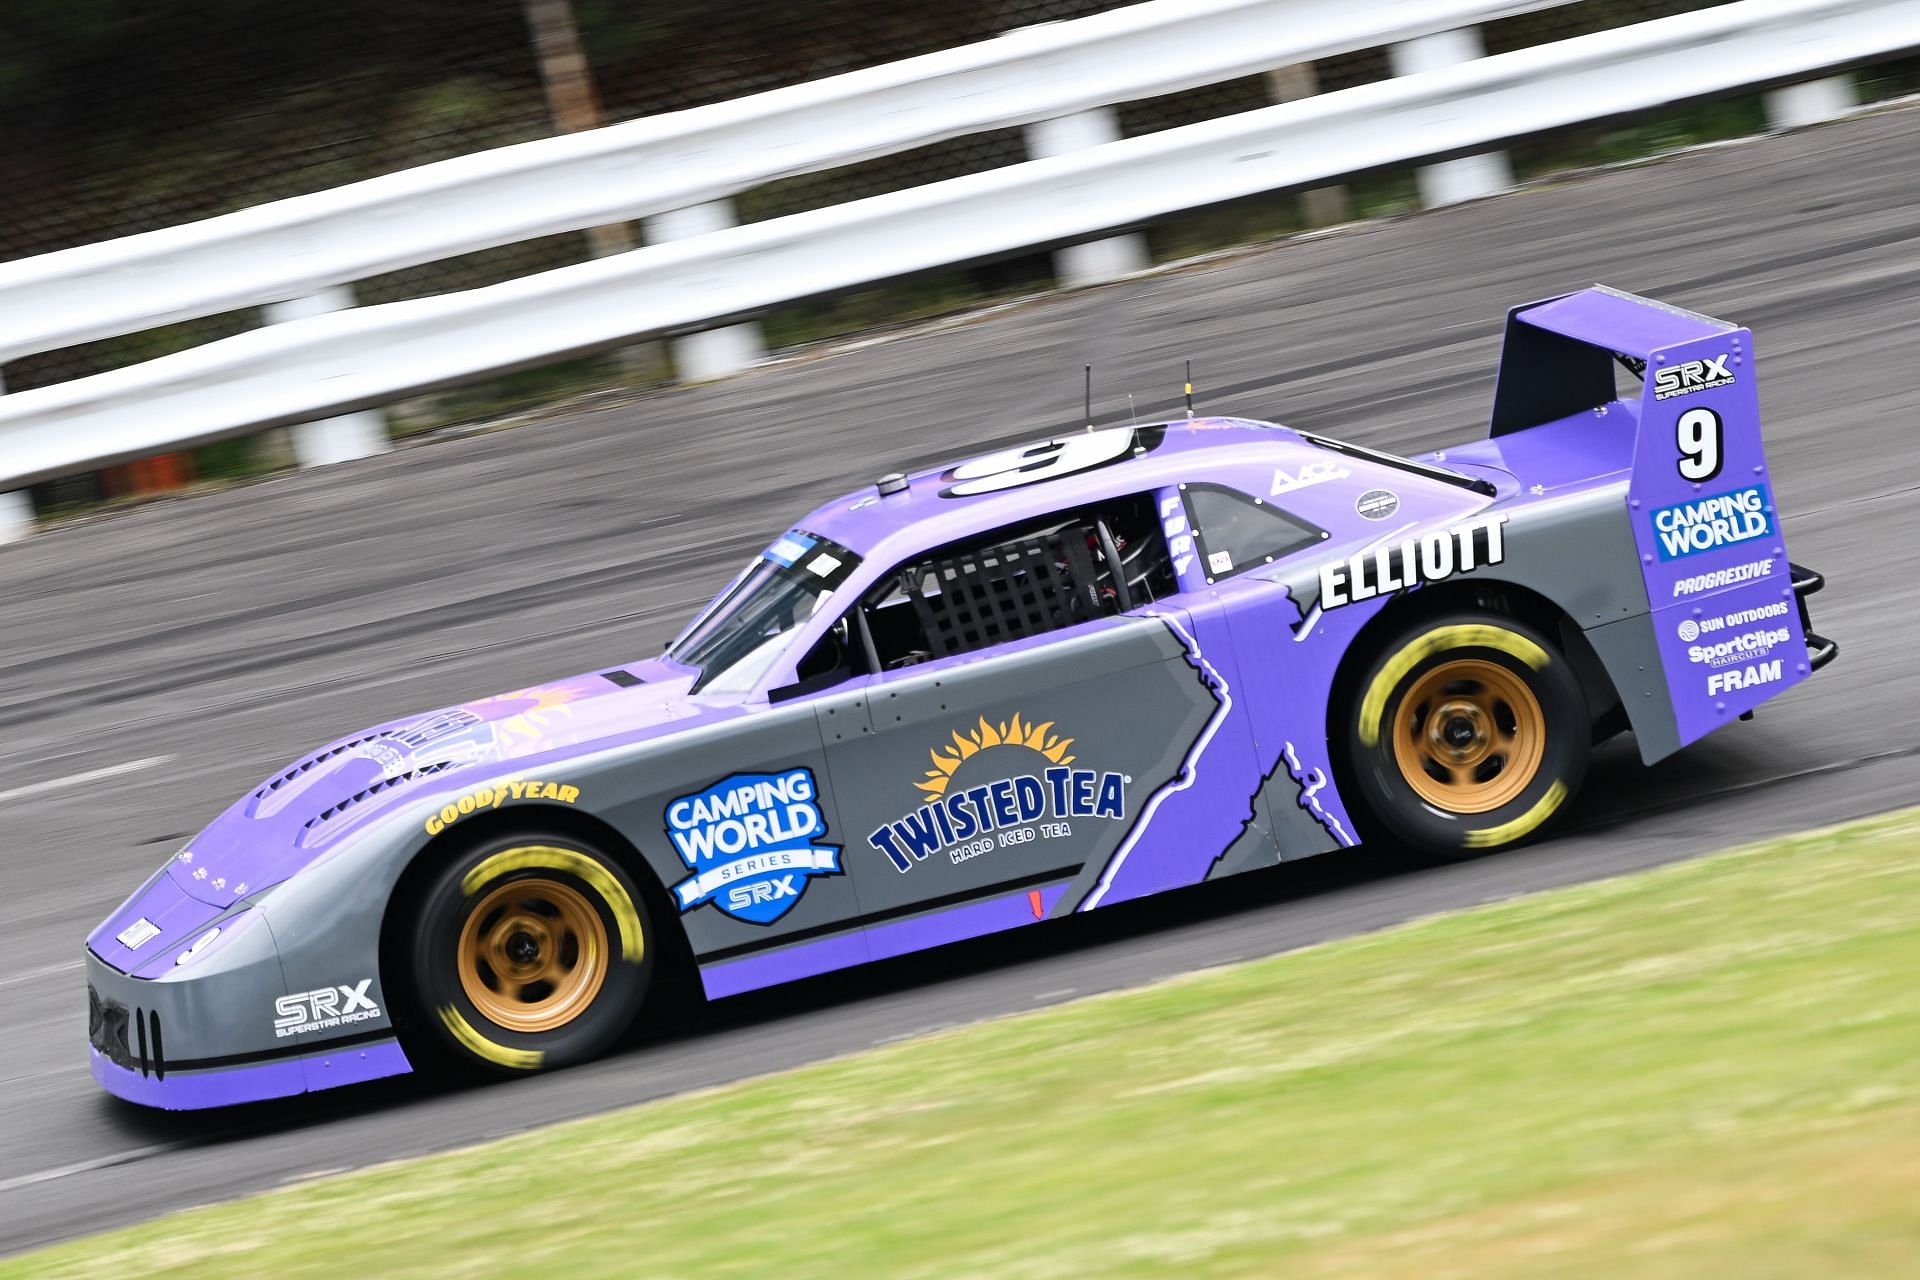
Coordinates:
1041 681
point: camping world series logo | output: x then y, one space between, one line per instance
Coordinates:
998 785
749 840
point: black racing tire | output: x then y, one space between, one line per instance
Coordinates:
532 951
1469 732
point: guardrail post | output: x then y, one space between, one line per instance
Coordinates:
711 353
351 435
1469 177
1799 105
1100 260
1321 206
16 508
16 516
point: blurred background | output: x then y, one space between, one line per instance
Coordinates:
120 117
172 630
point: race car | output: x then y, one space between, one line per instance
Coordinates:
1041 681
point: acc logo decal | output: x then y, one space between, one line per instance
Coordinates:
495 796
956 817
1310 474
749 841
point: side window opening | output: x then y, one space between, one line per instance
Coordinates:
1020 581
975 597
1236 533
1016 582
1141 549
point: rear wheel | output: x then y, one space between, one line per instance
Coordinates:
1471 734
531 953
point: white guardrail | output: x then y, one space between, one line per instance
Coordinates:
333 363
295 247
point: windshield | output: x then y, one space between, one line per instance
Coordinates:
738 638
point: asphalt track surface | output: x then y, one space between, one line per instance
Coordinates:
224 634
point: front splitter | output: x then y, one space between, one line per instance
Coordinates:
195 1090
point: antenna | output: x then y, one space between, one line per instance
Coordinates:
1189 391
1132 417
1089 397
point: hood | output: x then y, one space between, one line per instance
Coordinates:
283 823
149 931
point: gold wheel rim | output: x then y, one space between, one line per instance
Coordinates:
533 955
1469 736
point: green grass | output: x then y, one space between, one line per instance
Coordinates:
1651 134
1703 1070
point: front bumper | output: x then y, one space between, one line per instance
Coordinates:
205 1038
226 1086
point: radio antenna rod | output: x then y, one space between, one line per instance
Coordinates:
1089 397
1189 391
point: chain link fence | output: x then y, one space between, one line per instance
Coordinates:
121 116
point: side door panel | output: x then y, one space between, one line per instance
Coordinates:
1284 687
1209 818
741 824
1010 776
1248 621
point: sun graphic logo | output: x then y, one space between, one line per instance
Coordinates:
1009 733
530 716
999 786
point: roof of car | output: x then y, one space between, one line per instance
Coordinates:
931 512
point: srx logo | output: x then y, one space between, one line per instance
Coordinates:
1694 375
327 1006
775 890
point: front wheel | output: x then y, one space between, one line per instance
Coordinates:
531 952
1471 734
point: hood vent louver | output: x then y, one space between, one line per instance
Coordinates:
385 784
312 762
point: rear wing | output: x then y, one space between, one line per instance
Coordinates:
1700 498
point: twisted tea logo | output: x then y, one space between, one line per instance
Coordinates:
991 779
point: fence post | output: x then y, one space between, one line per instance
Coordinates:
1469 177
351 435
1799 105
1321 206
1100 260
711 353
